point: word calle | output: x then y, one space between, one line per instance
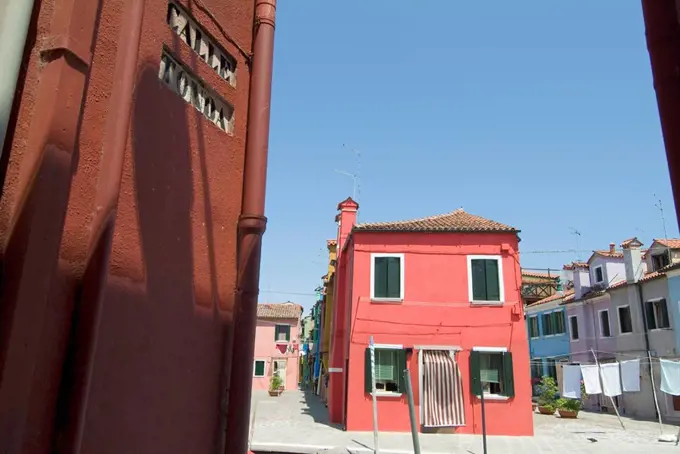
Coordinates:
201 43
193 91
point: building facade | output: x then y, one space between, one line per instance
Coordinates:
548 335
132 155
277 345
444 291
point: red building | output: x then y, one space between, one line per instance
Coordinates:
133 178
441 297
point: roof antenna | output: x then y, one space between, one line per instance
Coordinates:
659 205
356 176
577 234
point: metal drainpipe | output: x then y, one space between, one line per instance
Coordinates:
251 227
16 18
646 331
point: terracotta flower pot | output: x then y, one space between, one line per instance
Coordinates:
275 392
534 406
545 410
568 414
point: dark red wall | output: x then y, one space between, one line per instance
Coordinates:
167 306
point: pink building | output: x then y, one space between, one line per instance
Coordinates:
277 342
441 298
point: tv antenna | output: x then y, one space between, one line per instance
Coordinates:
659 205
577 234
356 176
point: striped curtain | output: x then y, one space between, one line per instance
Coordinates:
442 397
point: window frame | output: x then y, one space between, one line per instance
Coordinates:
571 331
601 268
546 330
538 327
503 351
557 313
276 337
264 369
378 393
600 325
654 301
400 256
630 315
501 285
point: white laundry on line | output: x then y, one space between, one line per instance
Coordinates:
611 379
670 377
630 375
591 379
571 382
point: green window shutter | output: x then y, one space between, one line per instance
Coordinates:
259 368
400 367
553 322
368 382
478 280
380 277
276 332
508 376
287 330
393 277
493 289
475 383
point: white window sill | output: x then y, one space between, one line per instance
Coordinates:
386 394
494 397
259 376
282 342
387 300
659 329
487 303
534 338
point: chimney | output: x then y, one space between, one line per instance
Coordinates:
581 280
612 248
632 259
346 220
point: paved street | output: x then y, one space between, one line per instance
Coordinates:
298 423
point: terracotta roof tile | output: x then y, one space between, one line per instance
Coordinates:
673 243
625 243
456 221
540 275
279 310
554 297
610 254
576 264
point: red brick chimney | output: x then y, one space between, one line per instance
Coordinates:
612 248
346 219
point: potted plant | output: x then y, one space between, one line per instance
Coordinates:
548 396
569 408
275 385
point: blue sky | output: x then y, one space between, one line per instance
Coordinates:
535 113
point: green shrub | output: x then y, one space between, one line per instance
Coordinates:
548 392
275 382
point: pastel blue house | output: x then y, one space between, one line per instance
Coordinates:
548 335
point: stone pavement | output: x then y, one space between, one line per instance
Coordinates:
297 422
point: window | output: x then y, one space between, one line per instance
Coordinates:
259 368
605 330
660 260
599 274
656 313
484 279
551 368
282 333
389 370
553 323
387 280
491 372
625 320
547 325
573 326
533 327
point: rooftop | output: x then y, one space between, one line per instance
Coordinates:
555 297
455 221
279 310
673 243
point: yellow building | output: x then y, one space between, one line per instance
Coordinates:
328 281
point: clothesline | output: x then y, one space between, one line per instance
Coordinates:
588 352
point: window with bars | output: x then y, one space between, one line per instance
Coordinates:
282 333
486 279
491 373
387 277
389 370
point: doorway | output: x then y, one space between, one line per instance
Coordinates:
280 370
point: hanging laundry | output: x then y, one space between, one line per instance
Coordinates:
571 382
670 377
630 375
591 379
611 379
